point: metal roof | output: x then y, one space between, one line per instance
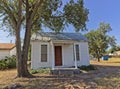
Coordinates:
59 36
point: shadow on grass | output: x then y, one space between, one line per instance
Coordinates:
40 83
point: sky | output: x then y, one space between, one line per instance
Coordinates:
107 11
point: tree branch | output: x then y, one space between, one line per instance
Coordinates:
9 13
19 13
61 16
37 4
23 2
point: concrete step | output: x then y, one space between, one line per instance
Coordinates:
65 71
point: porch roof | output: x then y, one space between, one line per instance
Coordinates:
58 36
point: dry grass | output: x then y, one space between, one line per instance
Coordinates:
106 77
109 62
112 70
109 82
7 76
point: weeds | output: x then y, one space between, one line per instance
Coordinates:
87 68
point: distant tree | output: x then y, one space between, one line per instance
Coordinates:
37 13
99 41
114 48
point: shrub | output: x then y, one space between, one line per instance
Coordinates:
11 61
3 65
43 70
87 68
33 71
8 62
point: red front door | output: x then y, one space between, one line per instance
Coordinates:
58 56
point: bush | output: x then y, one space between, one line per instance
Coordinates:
87 68
11 61
8 62
43 70
3 65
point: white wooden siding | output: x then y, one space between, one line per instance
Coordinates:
36 55
13 51
35 52
84 54
67 53
4 53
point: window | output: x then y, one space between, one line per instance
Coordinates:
43 53
77 52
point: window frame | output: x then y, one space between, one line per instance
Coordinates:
44 60
77 52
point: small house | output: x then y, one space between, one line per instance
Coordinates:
56 50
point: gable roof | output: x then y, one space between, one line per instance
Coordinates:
6 46
58 36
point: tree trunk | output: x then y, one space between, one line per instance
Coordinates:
98 59
22 55
18 41
25 51
18 53
26 44
22 70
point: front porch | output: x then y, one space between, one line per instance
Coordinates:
63 55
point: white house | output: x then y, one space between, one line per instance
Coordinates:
7 49
57 50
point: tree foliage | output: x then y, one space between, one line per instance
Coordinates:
113 49
99 40
50 13
33 15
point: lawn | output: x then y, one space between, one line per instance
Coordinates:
107 76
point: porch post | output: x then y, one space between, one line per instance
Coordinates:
52 55
75 57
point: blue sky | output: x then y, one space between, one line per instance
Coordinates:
107 11
5 38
